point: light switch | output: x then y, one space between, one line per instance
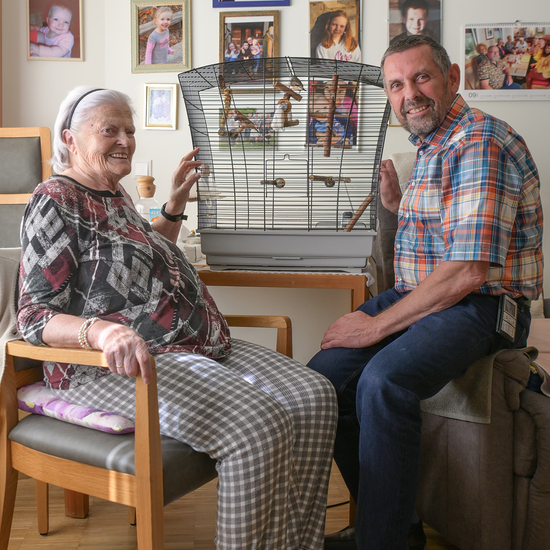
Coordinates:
141 169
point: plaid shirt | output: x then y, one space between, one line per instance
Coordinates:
473 196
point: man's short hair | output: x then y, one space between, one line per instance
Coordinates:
415 5
439 54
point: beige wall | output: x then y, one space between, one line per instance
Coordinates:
32 91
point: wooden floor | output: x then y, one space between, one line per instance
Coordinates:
189 522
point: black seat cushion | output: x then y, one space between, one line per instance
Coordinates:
184 469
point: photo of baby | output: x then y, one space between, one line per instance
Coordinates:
54 29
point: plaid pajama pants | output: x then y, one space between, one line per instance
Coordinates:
268 421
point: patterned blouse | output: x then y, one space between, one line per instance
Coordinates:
89 253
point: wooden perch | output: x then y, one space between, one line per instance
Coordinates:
358 213
330 117
329 182
226 104
279 182
287 90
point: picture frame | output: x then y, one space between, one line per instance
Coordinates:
54 33
152 53
248 128
345 114
515 79
321 15
160 106
249 26
414 17
249 3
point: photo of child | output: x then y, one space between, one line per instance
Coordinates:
414 17
335 30
158 42
160 34
50 29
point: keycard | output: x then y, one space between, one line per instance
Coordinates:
507 317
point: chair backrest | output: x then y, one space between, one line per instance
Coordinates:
24 153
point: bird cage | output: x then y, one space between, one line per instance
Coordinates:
291 149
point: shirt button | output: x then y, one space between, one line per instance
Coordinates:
398 247
407 215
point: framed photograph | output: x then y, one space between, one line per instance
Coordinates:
414 17
249 35
335 31
502 67
340 105
161 36
54 31
161 102
249 128
243 4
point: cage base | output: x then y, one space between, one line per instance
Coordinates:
287 250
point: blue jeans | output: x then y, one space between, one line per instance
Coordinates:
379 392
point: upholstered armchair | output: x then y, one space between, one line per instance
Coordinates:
484 482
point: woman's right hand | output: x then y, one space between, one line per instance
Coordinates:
124 349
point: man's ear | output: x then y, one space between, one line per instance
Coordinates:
454 77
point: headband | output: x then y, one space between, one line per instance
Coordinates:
75 105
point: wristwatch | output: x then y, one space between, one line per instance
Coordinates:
172 217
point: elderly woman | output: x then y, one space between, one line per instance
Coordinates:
94 274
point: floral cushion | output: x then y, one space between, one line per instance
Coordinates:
37 398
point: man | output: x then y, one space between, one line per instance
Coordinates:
509 46
501 48
521 45
470 231
494 73
414 14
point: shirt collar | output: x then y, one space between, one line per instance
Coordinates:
440 135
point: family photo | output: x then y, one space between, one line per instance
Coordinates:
249 35
506 58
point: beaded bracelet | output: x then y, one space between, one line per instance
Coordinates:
83 332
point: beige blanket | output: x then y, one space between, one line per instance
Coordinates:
469 398
9 268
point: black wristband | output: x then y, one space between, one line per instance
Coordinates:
171 217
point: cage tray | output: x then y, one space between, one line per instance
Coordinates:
302 250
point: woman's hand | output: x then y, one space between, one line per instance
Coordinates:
183 180
124 349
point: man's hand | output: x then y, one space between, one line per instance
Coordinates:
390 192
353 330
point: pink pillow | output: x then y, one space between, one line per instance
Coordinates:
37 398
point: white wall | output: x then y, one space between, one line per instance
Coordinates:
33 90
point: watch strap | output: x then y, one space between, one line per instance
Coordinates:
172 217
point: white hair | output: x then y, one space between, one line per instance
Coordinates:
60 151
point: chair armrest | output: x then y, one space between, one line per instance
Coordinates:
148 456
282 323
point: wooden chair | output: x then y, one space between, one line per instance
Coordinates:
142 470
24 153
